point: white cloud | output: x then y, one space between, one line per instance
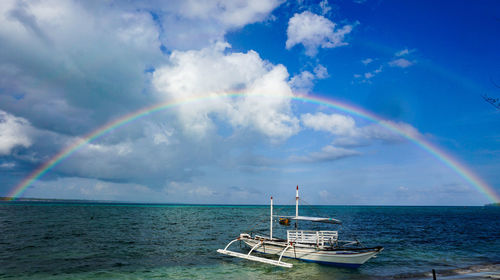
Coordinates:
162 134
71 66
401 62
315 31
197 24
145 158
347 133
321 72
325 7
335 123
74 60
232 13
119 150
68 67
368 75
68 60
367 61
372 74
404 128
14 132
304 82
404 52
211 72
395 62
327 153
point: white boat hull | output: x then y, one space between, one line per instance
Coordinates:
321 246
345 258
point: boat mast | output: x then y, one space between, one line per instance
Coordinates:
271 221
296 206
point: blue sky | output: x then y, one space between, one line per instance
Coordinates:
69 67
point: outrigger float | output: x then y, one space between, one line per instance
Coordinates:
307 245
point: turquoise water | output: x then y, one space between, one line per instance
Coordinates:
103 241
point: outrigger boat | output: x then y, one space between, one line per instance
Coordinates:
307 245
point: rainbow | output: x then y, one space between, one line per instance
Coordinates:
438 153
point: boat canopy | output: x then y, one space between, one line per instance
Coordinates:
313 219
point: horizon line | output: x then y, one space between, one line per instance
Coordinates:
127 202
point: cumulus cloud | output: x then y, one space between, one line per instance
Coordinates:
155 153
62 66
315 31
71 68
321 72
304 81
211 72
160 153
14 132
74 61
68 69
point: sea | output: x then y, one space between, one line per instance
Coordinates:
87 240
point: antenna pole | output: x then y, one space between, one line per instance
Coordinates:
271 221
296 205
297 202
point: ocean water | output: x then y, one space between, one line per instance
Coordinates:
112 241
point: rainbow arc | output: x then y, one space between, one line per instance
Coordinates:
438 153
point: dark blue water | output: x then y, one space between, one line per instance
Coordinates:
98 241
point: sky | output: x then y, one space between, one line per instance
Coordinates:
256 99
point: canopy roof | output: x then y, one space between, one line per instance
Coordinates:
314 219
